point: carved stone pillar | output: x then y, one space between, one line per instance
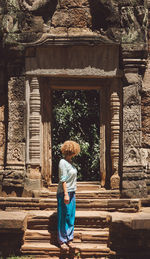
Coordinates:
133 178
115 132
33 180
102 137
2 121
15 160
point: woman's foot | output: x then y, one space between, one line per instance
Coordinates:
64 247
71 244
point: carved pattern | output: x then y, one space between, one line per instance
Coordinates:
115 130
132 118
132 139
16 131
34 122
131 156
145 154
16 152
16 89
16 111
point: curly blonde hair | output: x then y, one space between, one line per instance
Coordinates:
70 147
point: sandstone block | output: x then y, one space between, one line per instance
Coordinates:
13 221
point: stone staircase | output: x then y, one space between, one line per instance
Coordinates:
92 223
91 237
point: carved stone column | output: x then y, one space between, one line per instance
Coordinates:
115 131
33 180
2 121
15 160
102 137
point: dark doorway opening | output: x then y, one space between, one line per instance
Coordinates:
76 116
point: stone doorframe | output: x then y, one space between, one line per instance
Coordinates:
39 147
86 59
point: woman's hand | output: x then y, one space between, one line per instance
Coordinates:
66 198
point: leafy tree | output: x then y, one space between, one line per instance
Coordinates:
76 117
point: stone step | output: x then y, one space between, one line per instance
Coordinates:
122 205
80 235
85 193
92 219
81 186
81 249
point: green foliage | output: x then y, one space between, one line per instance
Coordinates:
76 117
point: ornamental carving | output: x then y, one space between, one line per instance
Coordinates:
15 152
132 156
132 138
16 89
132 118
16 111
16 131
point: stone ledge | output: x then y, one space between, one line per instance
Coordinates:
13 221
123 205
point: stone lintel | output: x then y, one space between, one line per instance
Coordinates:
75 73
72 41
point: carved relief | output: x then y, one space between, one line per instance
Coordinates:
16 111
16 131
145 154
132 138
115 131
132 156
16 89
16 152
132 120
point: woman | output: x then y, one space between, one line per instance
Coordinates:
66 203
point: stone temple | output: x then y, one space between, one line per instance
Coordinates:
102 45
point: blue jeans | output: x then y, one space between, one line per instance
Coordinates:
65 217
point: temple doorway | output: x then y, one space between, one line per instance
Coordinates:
76 116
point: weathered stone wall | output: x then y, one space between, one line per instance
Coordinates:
35 22
145 111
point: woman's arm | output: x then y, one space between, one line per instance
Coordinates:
66 196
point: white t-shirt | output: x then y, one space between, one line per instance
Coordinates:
68 174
